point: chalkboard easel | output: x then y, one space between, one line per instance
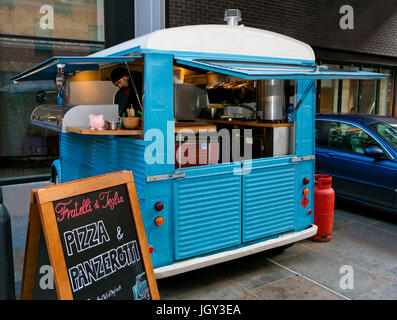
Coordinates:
91 234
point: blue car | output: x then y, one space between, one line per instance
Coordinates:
360 153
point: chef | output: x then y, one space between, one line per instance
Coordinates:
127 96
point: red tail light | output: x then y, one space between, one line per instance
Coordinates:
159 206
159 221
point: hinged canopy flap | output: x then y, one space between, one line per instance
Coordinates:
48 69
242 69
263 70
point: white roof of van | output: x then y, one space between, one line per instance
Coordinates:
218 39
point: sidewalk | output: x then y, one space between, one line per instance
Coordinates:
17 201
365 241
308 270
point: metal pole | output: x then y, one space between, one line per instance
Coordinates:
7 281
133 85
307 90
377 95
360 92
318 97
393 106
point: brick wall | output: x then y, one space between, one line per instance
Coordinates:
315 22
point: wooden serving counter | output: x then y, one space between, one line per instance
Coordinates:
196 127
248 123
201 125
180 127
119 132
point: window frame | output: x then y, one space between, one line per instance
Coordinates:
59 39
377 132
388 155
361 66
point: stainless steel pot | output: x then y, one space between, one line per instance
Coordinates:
213 113
112 125
271 99
239 111
215 110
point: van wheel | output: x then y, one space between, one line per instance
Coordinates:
55 178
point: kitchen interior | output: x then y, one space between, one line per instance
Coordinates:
203 100
226 102
83 88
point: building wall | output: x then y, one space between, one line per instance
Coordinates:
27 38
371 45
315 22
78 20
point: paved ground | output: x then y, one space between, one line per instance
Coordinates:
308 270
364 243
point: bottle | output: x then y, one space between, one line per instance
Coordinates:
59 80
290 113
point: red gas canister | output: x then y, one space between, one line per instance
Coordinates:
324 202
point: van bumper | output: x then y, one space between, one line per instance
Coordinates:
201 262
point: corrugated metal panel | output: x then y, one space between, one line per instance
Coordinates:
207 214
268 201
84 156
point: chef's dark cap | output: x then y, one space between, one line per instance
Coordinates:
117 74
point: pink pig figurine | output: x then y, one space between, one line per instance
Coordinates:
97 122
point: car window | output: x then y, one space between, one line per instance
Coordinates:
347 137
387 131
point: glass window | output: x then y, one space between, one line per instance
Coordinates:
27 150
387 131
321 133
329 94
386 93
394 96
368 94
347 137
66 19
350 93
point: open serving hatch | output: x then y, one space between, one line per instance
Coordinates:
48 69
261 70
57 117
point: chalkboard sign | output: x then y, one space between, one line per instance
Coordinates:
94 238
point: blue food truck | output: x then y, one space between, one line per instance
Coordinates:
223 160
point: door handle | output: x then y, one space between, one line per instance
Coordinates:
330 154
166 177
